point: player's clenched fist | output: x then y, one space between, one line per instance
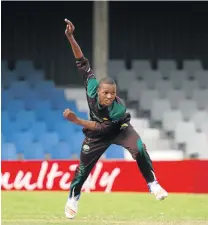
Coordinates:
70 115
69 28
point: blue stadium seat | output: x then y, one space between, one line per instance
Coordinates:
4 116
24 67
64 104
3 138
45 89
59 101
8 77
22 140
5 98
35 77
58 94
31 100
61 151
8 151
42 115
42 109
34 151
13 107
7 127
78 138
43 105
114 152
49 140
38 129
64 130
25 119
53 117
19 89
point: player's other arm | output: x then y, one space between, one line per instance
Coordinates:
91 125
74 45
82 62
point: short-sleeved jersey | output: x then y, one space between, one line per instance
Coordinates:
115 114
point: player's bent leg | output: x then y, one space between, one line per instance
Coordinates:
90 153
145 164
130 140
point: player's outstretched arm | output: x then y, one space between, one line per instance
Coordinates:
69 34
71 116
91 125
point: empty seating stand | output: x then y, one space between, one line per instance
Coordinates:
32 108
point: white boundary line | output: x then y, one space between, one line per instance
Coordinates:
81 221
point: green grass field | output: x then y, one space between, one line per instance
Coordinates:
41 208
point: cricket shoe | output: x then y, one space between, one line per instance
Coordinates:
71 206
157 190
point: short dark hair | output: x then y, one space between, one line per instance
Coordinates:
107 80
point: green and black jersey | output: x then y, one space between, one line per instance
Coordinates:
109 118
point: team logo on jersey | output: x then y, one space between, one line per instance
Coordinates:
86 148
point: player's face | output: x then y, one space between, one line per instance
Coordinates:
107 94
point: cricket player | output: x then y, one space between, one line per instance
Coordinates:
109 124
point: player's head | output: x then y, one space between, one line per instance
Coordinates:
106 91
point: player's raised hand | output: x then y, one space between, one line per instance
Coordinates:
69 28
70 115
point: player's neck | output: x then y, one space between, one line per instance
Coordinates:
101 106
